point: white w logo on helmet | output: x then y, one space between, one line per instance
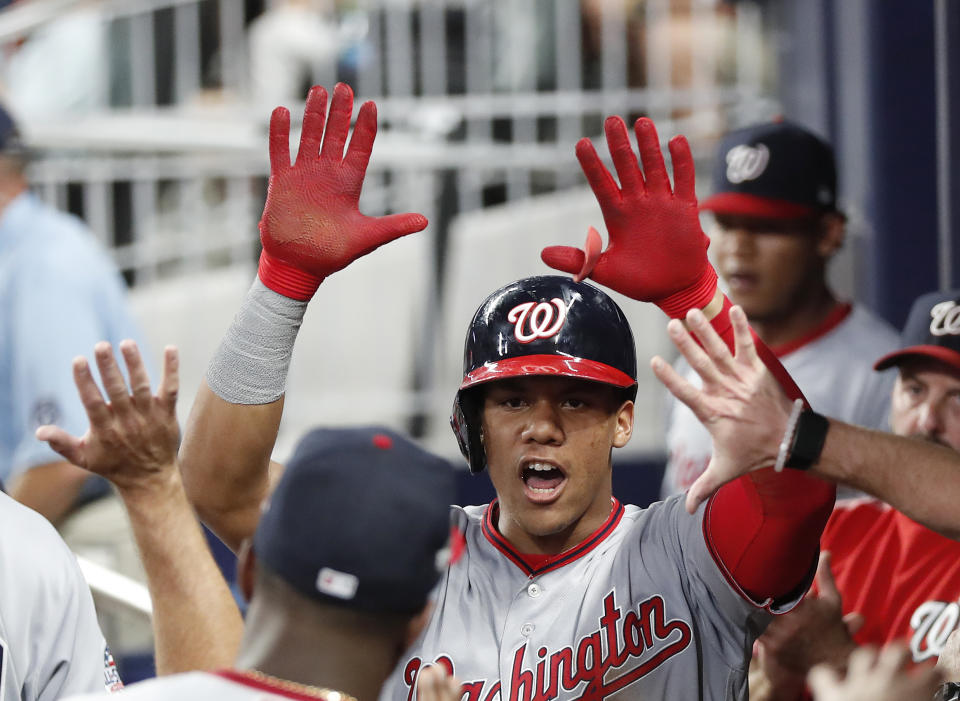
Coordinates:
537 320
746 162
945 319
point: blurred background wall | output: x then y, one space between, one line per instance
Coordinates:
148 119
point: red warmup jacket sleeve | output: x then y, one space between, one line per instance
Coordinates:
764 528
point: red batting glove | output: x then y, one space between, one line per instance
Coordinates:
311 224
657 251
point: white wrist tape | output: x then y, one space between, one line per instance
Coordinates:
250 366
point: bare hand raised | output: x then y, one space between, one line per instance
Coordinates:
873 677
740 404
133 435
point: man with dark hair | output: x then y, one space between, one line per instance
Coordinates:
776 227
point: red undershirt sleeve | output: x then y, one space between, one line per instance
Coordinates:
764 528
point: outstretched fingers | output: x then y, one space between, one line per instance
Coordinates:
679 386
601 182
745 347
712 343
93 402
139 380
279 141
361 143
70 447
654 168
684 174
624 159
695 355
338 123
314 116
113 383
170 380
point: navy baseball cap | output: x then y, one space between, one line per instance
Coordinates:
360 518
777 170
932 331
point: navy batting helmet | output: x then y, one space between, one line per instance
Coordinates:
545 325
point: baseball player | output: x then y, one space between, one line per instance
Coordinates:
900 577
50 641
331 602
562 591
776 227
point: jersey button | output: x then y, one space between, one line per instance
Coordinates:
533 590
526 629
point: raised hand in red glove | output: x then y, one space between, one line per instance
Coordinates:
657 251
311 224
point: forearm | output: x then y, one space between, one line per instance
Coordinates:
235 418
765 526
196 622
225 460
50 489
875 462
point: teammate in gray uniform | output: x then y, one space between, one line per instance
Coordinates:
50 641
562 592
332 601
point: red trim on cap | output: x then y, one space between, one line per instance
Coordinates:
534 565
240 677
836 316
740 203
564 366
945 355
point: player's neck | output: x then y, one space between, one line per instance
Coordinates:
803 319
559 541
310 654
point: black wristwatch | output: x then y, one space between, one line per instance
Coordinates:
808 440
948 692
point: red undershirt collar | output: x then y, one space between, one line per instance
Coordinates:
840 311
535 564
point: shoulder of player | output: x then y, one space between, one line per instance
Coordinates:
26 534
852 518
58 243
184 687
867 325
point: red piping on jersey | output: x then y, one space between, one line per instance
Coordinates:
235 675
535 565
836 316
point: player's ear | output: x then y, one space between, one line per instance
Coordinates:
624 427
246 568
833 231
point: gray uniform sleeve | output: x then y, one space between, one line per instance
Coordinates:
726 618
52 644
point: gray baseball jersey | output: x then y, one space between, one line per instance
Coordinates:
640 609
50 641
226 685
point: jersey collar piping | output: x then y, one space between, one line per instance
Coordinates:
836 316
526 563
239 677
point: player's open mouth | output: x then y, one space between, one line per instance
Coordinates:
542 481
